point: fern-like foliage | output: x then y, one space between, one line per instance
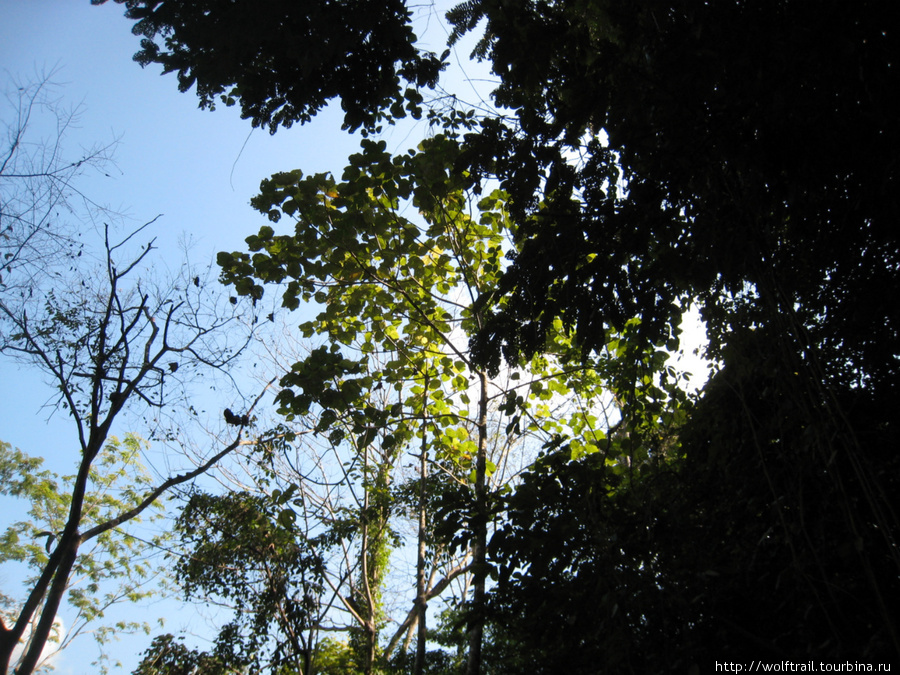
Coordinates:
464 17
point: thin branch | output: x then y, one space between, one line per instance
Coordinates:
436 590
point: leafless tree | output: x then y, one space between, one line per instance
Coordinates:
42 209
110 344
118 342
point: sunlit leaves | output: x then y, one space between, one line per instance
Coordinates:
395 255
116 567
390 287
401 257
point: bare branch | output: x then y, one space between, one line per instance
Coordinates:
433 592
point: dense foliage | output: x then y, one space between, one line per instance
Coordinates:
238 553
749 166
283 61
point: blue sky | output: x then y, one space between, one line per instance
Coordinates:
197 168
173 158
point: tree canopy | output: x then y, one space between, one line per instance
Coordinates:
739 157
283 61
748 155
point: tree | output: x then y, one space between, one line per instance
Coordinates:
106 345
398 304
109 344
40 204
239 552
383 296
283 62
711 184
116 561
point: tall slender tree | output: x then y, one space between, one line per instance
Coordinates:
402 295
110 340
108 346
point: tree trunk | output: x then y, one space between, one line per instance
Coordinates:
421 600
51 605
479 545
55 577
